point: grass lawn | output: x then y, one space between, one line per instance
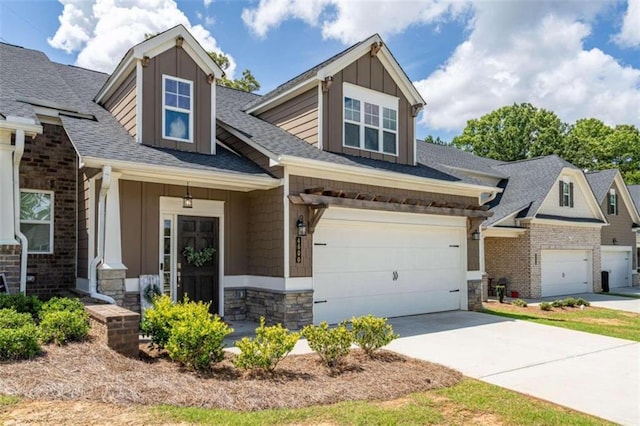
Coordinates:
607 322
468 402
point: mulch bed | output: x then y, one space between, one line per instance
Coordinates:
91 371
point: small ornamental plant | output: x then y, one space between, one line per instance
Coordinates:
270 346
331 344
18 336
519 302
545 306
61 327
371 333
198 257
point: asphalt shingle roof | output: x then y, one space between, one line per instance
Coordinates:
454 159
634 190
528 184
600 182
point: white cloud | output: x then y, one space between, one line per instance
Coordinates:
347 20
207 3
629 35
101 31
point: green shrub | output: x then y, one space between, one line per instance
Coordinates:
21 303
371 333
582 302
558 303
61 327
269 347
57 304
18 335
331 344
519 302
545 306
197 341
10 318
161 317
570 302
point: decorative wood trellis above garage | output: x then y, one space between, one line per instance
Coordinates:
319 199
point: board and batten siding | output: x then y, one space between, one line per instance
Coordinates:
298 116
298 184
367 72
175 62
122 104
140 225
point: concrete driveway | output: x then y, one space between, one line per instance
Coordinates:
590 373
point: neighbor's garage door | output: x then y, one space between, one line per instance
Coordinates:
565 272
618 263
386 264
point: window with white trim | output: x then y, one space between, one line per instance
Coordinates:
566 193
612 205
36 220
177 109
370 120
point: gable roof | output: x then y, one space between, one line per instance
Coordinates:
527 186
634 190
601 182
327 68
153 46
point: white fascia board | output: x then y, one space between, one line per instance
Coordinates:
248 141
631 207
503 232
27 125
115 80
284 96
559 222
305 167
148 172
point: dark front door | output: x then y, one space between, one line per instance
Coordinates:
199 283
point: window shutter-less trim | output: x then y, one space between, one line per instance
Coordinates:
570 194
561 187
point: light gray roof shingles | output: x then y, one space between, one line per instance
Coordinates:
600 182
634 190
454 159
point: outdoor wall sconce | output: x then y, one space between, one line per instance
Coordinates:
615 241
187 200
475 235
301 227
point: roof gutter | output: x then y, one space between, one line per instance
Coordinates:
399 178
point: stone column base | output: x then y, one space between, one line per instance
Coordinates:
474 295
10 266
111 283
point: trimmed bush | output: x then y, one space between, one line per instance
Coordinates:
371 333
519 302
57 304
570 302
197 341
545 306
164 314
21 303
18 335
331 344
269 347
61 327
582 302
558 303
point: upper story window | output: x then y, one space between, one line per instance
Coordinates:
612 204
566 193
177 109
370 120
36 220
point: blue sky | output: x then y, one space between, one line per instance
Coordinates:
466 57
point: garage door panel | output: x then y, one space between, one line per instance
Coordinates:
354 265
565 272
618 264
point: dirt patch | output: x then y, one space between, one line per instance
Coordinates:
92 372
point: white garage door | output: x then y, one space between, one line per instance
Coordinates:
565 272
390 264
618 263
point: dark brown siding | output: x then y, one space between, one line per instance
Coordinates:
122 104
266 233
177 63
298 116
366 72
247 151
619 225
140 223
298 184
50 163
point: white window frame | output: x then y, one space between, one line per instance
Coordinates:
49 222
613 202
382 100
566 192
190 111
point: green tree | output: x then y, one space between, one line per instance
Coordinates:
513 132
584 144
436 141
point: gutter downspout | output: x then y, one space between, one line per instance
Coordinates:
24 243
93 266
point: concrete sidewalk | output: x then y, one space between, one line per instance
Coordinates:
590 373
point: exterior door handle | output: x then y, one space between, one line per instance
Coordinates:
395 275
319 301
454 291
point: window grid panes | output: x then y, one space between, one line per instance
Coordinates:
166 257
373 131
371 114
566 194
177 109
352 110
36 220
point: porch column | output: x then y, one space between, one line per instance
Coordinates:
112 272
7 234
